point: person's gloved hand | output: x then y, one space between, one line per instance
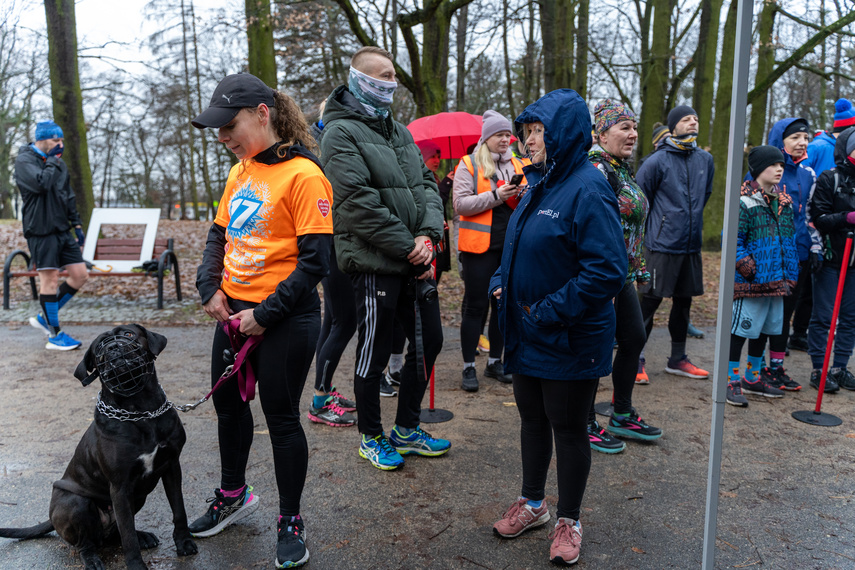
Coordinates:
81 237
850 218
815 261
56 151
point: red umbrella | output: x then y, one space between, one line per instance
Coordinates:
452 132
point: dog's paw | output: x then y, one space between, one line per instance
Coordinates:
147 540
92 562
185 546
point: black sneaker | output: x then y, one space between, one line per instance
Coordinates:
798 342
769 377
734 395
291 548
497 371
830 385
603 441
223 512
386 389
780 379
470 379
393 378
760 388
843 378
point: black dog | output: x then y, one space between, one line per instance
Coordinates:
133 443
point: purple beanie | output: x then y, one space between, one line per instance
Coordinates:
494 123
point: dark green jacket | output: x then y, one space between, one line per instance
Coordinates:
383 194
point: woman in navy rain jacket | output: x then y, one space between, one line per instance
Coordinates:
564 260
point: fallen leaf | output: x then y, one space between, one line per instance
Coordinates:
509 404
728 494
638 550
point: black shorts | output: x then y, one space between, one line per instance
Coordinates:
673 275
54 251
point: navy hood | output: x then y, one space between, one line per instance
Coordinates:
567 129
840 156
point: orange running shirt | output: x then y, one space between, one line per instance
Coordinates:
264 212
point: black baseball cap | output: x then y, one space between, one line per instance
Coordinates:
233 93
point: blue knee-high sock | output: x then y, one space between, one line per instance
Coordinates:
50 308
752 372
64 294
733 374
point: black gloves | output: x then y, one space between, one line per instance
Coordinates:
81 237
56 151
815 262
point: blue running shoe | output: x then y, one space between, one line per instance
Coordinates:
419 442
380 452
38 322
62 342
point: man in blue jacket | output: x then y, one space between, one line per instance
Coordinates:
49 213
677 180
820 152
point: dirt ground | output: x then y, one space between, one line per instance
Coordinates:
786 487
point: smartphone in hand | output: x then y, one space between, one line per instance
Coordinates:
516 179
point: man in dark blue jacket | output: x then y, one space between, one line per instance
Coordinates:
677 180
820 152
50 212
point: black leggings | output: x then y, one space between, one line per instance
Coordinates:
556 408
756 346
630 336
678 320
281 363
798 303
338 326
478 268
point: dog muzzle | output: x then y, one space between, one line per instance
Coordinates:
123 364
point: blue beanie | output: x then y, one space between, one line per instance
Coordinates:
48 130
844 115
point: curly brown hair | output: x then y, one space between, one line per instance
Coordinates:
289 123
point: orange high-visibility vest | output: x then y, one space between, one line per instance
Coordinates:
474 234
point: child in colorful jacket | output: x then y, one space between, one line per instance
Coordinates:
767 269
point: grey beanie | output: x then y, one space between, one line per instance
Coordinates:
678 113
494 123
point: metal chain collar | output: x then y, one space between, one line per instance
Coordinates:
128 416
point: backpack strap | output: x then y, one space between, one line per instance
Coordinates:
611 176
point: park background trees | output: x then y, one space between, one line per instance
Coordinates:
450 55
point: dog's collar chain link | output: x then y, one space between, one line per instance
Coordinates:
128 416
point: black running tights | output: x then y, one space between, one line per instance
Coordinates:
559 409
281 363
678 320
756 346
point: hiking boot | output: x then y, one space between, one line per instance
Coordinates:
694 332
684 367
798 342
380 452
778 378
39 323
844 378
483 344
223 512
331 414
291 542
603 441
633 427
386 389
566 542
830 385
393 378
497 371
734 395
62 342
520 518
419 442
343 403
470 379
641 377
760 388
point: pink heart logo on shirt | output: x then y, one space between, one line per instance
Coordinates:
324 207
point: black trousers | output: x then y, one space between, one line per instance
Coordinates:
630 336
338 326
559 409
678 320
798 302
380 299
281 363
477 269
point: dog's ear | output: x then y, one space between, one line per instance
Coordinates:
156 342
87 370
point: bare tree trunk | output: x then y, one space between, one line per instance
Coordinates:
206 175
259 33
462 23
823 112
580 76
557 33
654 85
67 99
765 64
191 135
508 83
530 71
702 99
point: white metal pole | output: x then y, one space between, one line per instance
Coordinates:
736 145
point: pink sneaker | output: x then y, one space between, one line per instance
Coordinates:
520 518
566 542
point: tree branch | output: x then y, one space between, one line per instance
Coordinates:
679 78
612 76
807 24
824 74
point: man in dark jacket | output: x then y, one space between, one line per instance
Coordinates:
50 212
677 180
387 216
